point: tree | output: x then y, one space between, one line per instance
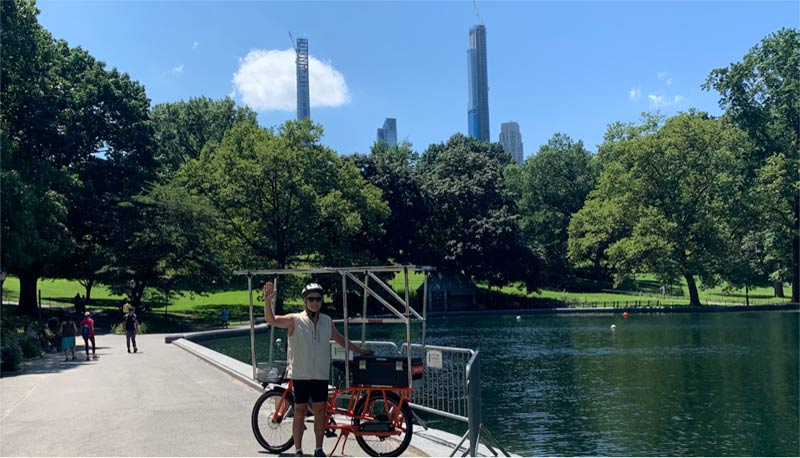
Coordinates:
761 95
552 186
660 206
60 106
473 224
183 129
392 169
286 199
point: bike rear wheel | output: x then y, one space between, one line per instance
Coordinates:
381 413
274 433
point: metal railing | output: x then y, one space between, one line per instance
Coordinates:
452 388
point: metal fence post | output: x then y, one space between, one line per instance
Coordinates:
474 403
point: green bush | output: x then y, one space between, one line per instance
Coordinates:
30 347
11 358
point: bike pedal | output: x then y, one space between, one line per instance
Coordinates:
330 433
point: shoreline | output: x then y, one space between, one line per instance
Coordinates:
613 310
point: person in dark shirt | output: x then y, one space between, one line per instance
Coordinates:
131 328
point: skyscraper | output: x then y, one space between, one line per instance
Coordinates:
388 133
478 81
301 61
511 140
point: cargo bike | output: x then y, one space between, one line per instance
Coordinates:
370 398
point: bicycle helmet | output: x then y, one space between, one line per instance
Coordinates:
311 288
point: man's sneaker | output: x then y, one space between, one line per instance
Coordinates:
298 453
135 350
87 357
129 350
319 452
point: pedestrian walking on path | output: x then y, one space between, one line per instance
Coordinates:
87 330
68 332
224 317
131 329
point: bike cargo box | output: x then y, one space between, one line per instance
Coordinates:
384 370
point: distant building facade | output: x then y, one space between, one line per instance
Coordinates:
303 95
478 84
511 140
388 133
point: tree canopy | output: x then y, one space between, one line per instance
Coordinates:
661 205
761 95
61 107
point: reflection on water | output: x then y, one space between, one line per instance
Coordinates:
717 384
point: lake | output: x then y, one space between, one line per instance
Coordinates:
710 384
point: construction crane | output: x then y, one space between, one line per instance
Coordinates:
475 4
294 46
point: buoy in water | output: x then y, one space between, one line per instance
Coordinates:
625 315
613 327
519 318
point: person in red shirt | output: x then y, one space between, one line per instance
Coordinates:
87 331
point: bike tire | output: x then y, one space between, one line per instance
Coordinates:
377 410
275 437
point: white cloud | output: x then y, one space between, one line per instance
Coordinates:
669 81
266 80
662 75
635 93
195 44
658 101
177 70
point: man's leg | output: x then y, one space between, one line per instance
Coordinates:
319 421
299 424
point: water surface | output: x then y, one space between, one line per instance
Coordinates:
714 384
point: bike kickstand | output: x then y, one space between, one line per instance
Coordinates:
344 435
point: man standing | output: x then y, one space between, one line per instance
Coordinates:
224 317
131 329
309 358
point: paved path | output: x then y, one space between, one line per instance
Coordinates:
162 401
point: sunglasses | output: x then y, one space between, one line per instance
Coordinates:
314 298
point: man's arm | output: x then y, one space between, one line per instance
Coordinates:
339 339
280 321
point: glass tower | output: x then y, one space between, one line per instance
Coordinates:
388 133
301 61
511 140
478 83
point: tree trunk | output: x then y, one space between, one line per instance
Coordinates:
28 303
747 295
777 286
694 297
88 284
796 252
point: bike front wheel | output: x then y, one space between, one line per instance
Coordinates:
273 419
391 425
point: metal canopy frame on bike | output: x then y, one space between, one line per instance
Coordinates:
406 316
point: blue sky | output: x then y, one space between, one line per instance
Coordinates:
569 67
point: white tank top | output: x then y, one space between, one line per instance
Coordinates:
309 352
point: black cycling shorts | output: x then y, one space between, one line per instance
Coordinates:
316 390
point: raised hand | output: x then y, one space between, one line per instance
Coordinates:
269 290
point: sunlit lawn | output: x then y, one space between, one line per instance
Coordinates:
208 306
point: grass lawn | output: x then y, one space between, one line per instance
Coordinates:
207 307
